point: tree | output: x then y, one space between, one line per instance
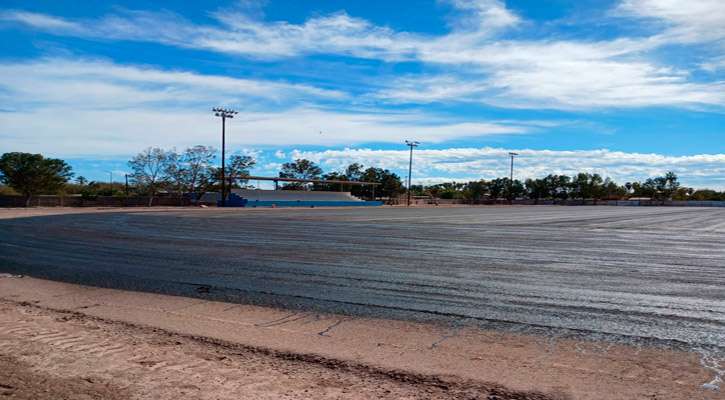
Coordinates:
449 193
332 176
237 168
536 189
587 186
514 190
611 190
558 186
354 172
81 180
390 184
194 172
299 169
496 187
477 189
33 174
434 190
151 170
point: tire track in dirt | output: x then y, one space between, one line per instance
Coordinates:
85 356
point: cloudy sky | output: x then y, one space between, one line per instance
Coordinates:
630 89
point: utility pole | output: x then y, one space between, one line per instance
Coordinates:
220 112
511 180
410 165
110 180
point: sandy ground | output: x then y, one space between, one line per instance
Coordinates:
62 341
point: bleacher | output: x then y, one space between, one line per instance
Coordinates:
293 198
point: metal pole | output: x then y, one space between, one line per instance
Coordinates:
410 166
110 181
511 180
224 119
126 185
224 114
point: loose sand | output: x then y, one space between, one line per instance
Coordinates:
61 341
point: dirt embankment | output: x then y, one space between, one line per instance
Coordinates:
61 341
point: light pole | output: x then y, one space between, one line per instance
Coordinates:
126 185
220 112
511 180
410 165
110 180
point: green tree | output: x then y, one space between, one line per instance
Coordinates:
558 186
151 170
449 193
477 189
537 189
299 169
434 191
332 176
33 174
587 186
390 184
611 190
355 172
514 190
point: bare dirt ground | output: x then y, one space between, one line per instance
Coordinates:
56 355
62 341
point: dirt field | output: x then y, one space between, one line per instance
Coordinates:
648 296
64 355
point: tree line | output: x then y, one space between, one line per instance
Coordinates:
563 187
195 172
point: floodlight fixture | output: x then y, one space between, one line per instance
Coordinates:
410 164
224 114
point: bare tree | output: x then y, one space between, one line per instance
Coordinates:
194 171
151 170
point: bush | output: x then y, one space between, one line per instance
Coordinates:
119 195
90 195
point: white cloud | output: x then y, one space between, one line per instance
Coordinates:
42 21
562 74
714 64
280 154
69 132
687 21
104 85
484 15
489 163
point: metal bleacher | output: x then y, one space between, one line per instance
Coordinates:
294 198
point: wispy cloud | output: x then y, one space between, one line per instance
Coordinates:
479 65
94 84
685 21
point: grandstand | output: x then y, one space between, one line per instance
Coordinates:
292 198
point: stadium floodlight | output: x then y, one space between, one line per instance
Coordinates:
224 114
410 165
511 180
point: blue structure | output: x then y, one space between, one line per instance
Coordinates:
293 198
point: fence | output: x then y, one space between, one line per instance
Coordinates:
101 201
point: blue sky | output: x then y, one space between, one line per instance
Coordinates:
629 89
